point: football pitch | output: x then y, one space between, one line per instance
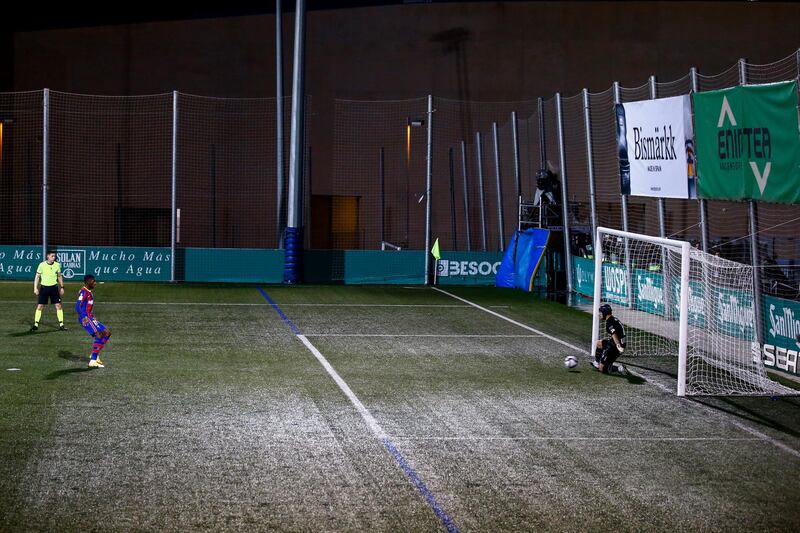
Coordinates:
341 408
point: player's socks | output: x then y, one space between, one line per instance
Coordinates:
60 315
37 316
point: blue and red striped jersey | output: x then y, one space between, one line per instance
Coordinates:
85 303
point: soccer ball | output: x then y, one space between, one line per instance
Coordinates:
571 361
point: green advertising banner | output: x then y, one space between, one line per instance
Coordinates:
583 275
648 290
469 268
240 265
615 284
781 334
748 143
120 264
697 302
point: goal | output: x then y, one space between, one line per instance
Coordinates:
676 300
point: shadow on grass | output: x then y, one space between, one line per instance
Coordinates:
69 356
764 411
775 406
26 333
59 373
633 380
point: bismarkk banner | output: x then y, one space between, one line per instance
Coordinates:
119 264
655 147
748 143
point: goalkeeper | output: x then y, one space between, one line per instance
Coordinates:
608 350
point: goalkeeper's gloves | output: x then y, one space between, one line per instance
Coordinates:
620 349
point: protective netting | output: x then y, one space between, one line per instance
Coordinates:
371 193
109 170
644 288
226 172
21 120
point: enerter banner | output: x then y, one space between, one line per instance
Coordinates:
655 147
748 143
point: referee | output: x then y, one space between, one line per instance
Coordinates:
49 273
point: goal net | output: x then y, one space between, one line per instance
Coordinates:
675 300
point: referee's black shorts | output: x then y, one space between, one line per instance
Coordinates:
50 293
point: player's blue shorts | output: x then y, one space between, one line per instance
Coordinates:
92 325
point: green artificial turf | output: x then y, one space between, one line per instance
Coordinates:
212 414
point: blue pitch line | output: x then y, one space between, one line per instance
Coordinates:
285 318
427 494
388 444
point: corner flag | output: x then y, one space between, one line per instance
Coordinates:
435 250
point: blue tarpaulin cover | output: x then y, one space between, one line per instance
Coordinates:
522 258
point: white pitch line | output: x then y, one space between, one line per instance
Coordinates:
218 304
625 439
365 414
421 335
520 324
762 436
752 431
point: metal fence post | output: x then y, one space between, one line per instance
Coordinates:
754 251
429 179
587 123
174 203
500 220
624 200
45 163
662 232
564 196
466 193
453 228
662 223
542 146
383 196
479 155
279 119
703 203
515 143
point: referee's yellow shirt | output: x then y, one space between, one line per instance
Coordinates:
48 273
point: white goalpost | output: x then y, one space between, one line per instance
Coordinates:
673 300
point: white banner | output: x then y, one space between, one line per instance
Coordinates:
656 152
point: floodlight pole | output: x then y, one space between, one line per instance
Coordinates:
294 238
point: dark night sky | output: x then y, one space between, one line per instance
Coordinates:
73 15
